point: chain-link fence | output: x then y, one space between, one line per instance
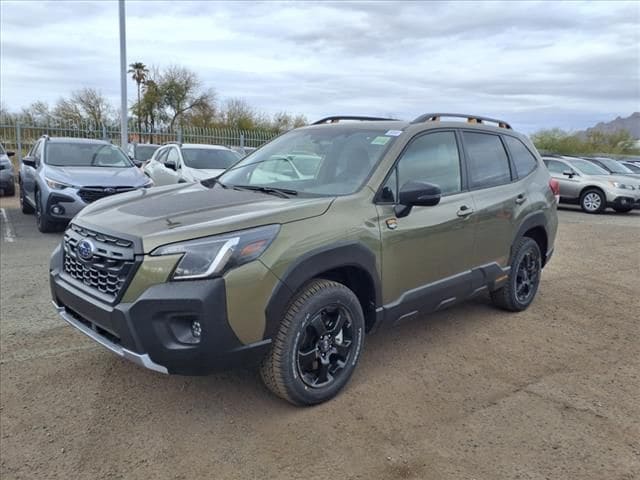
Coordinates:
21 137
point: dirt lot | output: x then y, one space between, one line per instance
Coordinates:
469 393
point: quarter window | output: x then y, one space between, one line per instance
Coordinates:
488 161
431 158
523 159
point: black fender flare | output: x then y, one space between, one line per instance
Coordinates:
533 220
311 265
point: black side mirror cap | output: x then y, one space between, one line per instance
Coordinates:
10 153
417 194
29 162
171 164
568 173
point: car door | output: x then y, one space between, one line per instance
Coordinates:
498 199
172 175
570 185
426 255
155 168
28 173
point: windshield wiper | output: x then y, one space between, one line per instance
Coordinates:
280 192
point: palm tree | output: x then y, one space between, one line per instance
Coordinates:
138 71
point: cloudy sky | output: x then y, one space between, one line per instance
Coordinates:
547 64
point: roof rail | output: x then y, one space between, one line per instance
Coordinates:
173 142
435 117
337 118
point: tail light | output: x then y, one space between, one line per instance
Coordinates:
555 188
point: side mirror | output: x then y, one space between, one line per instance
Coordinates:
29 162
171 164
419 194
10 153
568 173
137 163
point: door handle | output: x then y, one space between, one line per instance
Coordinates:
465 211
520 199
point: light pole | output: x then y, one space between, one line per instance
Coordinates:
124 137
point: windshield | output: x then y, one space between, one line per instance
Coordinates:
86 155
144 152
332 160
208 158
613 165
588 168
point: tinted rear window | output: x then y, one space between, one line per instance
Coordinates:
523 159
488 161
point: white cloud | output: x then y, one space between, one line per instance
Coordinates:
536 64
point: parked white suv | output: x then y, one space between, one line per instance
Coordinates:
188 162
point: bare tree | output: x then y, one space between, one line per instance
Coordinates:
181 91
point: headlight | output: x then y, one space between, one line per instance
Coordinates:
212 256
56 185
622 186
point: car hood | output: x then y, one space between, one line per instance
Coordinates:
202 174
97 176
184 211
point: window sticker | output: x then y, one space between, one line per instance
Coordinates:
380 141
394 133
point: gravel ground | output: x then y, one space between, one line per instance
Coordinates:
468 393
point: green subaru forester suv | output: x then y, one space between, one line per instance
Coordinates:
287 259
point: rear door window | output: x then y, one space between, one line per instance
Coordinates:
556 167
523 159
488 163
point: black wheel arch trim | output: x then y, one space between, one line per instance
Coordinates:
533 220
311 265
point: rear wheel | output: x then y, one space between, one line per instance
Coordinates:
593 201
24 205
318 345
524 277
44 223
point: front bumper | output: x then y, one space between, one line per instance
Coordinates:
155 330
625 202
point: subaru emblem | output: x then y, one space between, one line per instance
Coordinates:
85 249
109 190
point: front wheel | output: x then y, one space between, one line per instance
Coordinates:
593 201
45 225
524 277
24 204
317 346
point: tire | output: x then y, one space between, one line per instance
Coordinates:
24 205
511 296
9 192
623 209
593 201
299 353
43 222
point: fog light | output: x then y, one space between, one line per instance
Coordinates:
57 209
196 329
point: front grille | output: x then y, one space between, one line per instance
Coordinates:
110 266
91 194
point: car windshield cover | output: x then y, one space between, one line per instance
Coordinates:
588 168
144 152
614 166
86 155
324 160
208 158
